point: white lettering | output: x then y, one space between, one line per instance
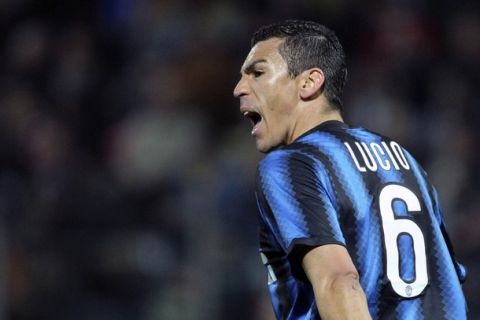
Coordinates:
375 156
361 169
377 150
399 154
369 161
387 149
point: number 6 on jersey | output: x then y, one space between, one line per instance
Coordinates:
392 229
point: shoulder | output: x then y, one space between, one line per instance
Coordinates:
285 160
296 167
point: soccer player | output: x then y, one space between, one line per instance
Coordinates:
350 226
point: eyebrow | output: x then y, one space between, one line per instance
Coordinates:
249 69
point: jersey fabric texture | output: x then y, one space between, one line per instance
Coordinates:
344 185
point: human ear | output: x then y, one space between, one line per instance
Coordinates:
311 83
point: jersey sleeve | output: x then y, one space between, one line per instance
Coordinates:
296 201
459 268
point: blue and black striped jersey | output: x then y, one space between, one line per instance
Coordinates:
338 184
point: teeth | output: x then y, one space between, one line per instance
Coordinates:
245 113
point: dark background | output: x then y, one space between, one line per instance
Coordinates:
126 178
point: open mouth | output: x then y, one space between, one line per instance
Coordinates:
253 116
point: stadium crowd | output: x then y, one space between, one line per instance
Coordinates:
127 172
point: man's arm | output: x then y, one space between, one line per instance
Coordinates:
335 282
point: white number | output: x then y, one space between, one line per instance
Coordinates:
392 228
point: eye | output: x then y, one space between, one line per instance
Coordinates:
257 73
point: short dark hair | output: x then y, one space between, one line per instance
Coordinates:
307 45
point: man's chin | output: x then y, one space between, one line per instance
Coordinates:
264 147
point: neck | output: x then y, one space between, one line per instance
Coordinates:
309 120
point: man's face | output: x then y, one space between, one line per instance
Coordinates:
268 95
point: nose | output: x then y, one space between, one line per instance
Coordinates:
241 88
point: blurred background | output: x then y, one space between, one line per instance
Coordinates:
127 172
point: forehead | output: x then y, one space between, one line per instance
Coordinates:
264 51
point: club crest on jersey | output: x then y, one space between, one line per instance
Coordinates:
374 156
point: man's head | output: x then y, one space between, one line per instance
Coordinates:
290 65
308 45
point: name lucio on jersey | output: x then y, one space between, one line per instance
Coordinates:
378 155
